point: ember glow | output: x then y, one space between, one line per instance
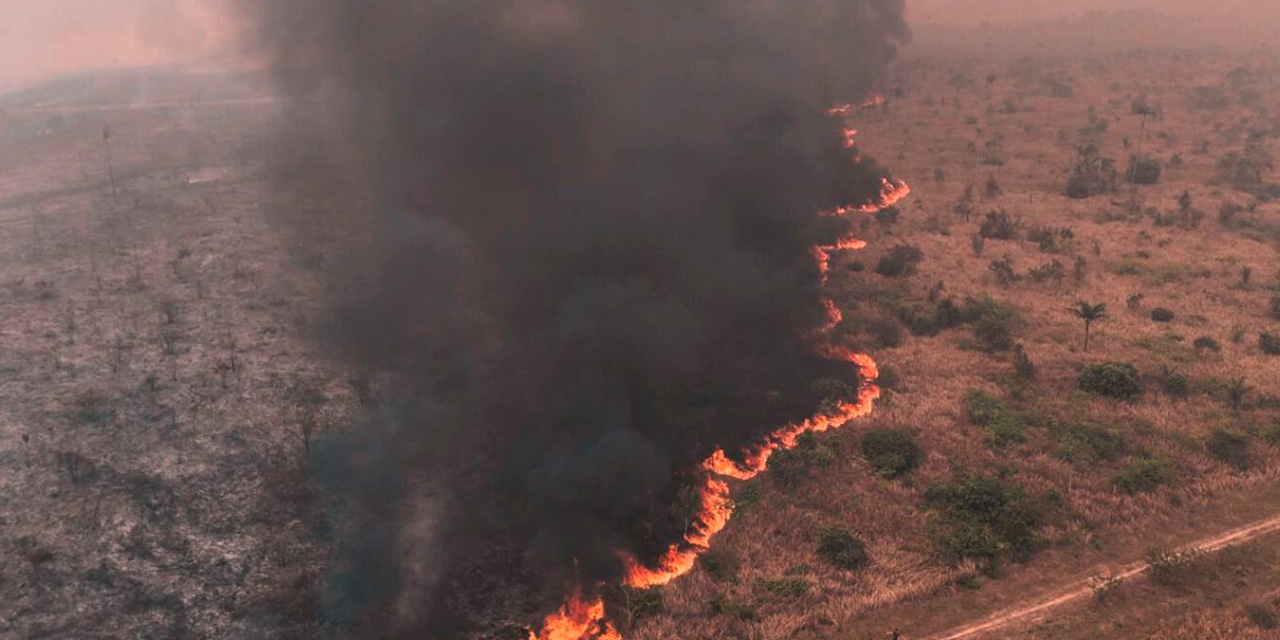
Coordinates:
580 619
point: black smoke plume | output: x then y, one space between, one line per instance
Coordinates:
574 237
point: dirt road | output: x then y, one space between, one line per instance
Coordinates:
1080 588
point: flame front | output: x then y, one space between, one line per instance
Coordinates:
579 619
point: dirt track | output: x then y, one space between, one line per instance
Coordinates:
1080 588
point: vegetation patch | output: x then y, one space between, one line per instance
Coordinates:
983 519
892 453
1111 379
1228 447
1144 475
843 549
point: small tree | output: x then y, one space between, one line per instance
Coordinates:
1090 313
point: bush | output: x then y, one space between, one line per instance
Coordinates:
1083 442
1205 343
1024 370
1275 306
1269 343
1143 475
643 603
1005 430
1175 385
1160 314
885 332
981 407
994 333
1003 270
790 466
1261 616
720 563
1228 447
1112 379
891 452
1271 435
843 549
948 314
983 517
899 261
998 225
1092 174
789 588
1144 170
1170 568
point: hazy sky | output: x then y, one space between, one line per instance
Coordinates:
43 37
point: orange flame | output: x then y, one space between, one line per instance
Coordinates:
716 505
849 138
822 253
891 192
577 619
873 100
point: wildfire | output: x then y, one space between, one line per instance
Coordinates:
822 253
579 619
850 136
891 192
576 619
873 100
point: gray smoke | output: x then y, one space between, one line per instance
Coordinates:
575 237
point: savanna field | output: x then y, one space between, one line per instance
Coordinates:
164 401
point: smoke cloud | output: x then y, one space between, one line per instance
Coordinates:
575 240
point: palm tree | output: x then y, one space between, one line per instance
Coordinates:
1089 313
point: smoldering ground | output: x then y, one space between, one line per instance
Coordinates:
574 238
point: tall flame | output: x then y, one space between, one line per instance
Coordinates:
582 618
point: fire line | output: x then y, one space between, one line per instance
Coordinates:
582 618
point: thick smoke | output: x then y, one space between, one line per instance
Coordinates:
576 238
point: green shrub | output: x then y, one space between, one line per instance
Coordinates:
1084 442
789 588
1275 306
981 407
1112 379
899 261
842 549
994 333
947 314
1269 343
1024 370
1171 568
1144 170
726 606
1092 174
1175 385
1228 447
1261 616
1006 429
1143 475
1205 343
983 518
891 452
1160 314
999 225
788 467
1271 434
